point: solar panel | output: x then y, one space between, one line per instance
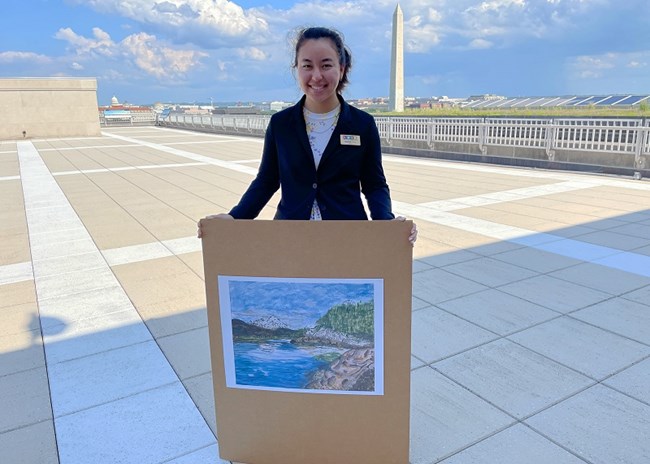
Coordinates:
521 103
590 101
632 100
567 100
611 100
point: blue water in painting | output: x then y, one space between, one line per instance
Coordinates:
276 364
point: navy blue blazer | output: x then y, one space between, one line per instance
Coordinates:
345 170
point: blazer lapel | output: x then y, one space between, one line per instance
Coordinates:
299 121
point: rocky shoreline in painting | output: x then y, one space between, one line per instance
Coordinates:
353 371
329 337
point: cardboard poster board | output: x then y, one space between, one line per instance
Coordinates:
252 269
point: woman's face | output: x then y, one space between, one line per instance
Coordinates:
319 73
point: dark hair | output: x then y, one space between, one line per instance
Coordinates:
314 33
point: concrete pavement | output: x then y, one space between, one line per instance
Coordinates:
531 304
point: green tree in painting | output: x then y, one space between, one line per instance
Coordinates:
350 318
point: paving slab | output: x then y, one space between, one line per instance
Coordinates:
419 266
21 351
73 283
599 277
209 454
89 304
201 391
536 260
415 362
70 261
31 444
14 249
446 418
436 334
85 337
61 237
490 271
633 381
143 428
437 285
515 445
627 261
194 261
136 253
621 316
513 378
497 311
633 229
641 295
188 352
18 293
417 304
25 399
583 347
452 257
14 273
555 293
599 424
609 238
83 383
173 317
18 318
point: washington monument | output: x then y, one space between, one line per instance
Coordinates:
396 102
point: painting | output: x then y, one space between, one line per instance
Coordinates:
303 334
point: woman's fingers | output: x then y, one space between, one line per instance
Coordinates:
414 230
199 232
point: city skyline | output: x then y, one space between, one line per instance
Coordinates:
144 51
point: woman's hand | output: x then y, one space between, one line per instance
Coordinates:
199 232
414 230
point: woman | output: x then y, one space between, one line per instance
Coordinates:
322 152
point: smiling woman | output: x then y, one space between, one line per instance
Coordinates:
322 152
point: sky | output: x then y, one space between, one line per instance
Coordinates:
198 51
296 304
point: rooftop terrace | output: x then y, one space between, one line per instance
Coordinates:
531 304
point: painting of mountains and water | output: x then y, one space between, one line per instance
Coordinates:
303 335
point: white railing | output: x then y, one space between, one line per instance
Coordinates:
138 118
250 124
610 135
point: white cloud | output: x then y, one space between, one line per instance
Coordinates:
420 37
207 22
480 44
158 60
435 16
608 64
13 57
101 44
252 53
142 50
596 62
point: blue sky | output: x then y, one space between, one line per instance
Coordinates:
143 51
298 305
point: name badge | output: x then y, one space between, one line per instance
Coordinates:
350 140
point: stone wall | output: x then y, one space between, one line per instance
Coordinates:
48 107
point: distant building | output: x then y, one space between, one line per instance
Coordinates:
278 105
118 113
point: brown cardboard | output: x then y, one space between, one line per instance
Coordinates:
270 427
